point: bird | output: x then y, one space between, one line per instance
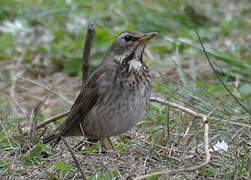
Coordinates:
115 96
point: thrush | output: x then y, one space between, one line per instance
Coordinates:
116 94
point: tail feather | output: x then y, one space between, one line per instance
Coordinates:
53 138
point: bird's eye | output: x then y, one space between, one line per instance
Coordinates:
128 38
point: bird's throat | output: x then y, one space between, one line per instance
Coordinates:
135 65
131 62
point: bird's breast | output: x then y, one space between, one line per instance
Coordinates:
122 104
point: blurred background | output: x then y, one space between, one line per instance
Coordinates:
41 44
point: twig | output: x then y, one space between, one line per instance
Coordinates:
75 159
177 106
87 51
235 123
49 120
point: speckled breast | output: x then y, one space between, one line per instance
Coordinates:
123 102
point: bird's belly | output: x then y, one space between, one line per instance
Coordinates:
115 113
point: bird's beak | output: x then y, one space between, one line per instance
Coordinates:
147 36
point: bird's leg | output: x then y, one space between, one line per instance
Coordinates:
80 145
111 143
103 144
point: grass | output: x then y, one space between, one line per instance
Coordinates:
42 41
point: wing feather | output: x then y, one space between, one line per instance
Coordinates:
88 97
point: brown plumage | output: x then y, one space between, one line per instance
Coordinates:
115 95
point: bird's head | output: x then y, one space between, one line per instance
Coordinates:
128 48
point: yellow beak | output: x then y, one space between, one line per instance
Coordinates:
147 36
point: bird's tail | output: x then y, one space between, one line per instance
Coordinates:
53 138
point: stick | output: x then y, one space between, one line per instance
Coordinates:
177 106
49 120
87 51
75 159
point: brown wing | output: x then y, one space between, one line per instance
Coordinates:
87 98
